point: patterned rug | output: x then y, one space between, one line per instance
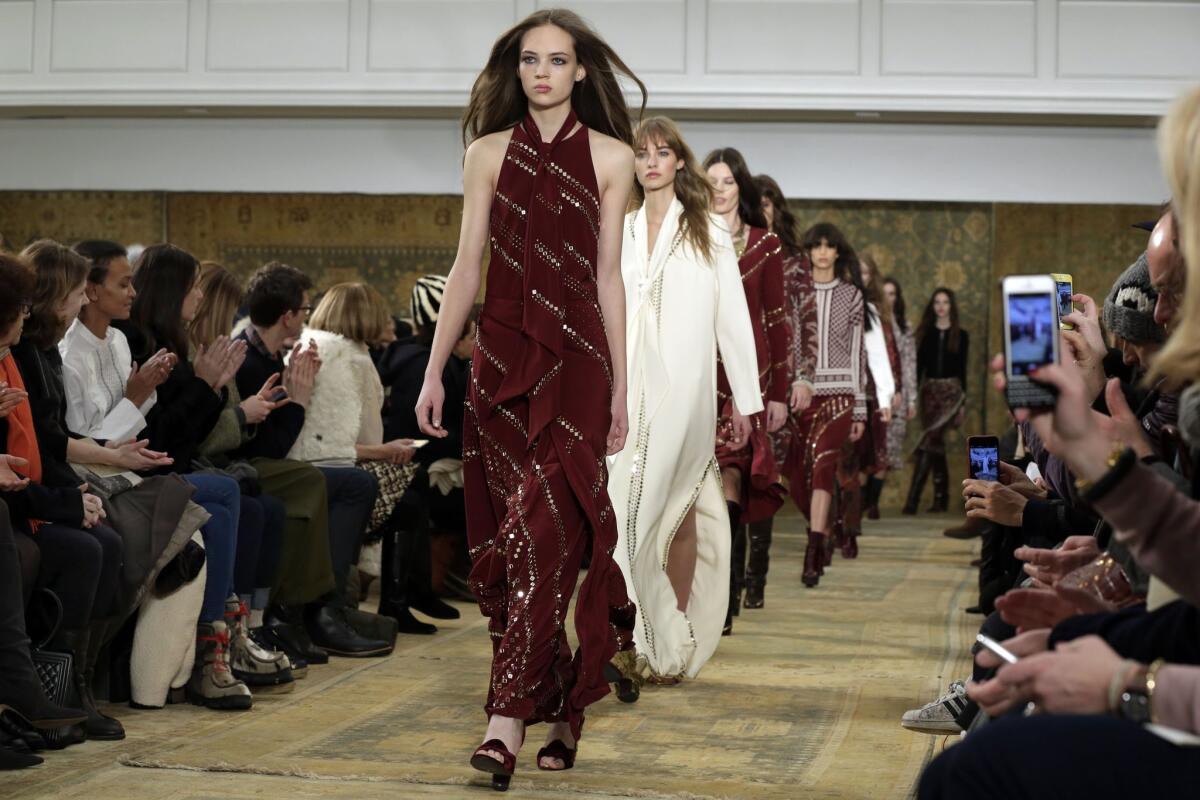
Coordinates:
803 700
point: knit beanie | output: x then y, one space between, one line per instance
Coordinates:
427 299
1129 307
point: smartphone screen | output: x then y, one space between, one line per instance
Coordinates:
1032 326
984 462
1065 291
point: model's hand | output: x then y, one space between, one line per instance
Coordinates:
802 397
1049 566
10 398
619 428
885 414
429 408
856 430
994 501
740 429
777 414
134 455
10 481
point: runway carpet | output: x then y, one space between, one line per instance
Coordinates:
803 700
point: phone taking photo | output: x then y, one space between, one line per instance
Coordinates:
1000 650
1031 338
1064 290
983 458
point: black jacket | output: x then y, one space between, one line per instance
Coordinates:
275 435
934 360
402 371
42 372
62 504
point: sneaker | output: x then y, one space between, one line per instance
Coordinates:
938 716
263 670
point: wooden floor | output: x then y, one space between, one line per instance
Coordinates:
803 700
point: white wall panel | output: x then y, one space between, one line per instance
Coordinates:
816 37
16 36
830 161
119 35
959 37
278 34
649 35
1127 39
435 35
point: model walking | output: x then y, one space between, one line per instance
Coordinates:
839 407
750 475
546 180
902 352
684 297
942 375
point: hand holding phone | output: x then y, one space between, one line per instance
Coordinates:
983 458
1031 339
1063 287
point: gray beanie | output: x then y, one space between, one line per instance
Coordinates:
1129 307
427 299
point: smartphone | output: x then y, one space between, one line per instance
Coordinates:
997 648
417 444
1030 338
983 458
1064 289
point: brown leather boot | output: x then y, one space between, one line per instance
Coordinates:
814 558
850 545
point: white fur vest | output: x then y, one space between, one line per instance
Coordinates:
347 401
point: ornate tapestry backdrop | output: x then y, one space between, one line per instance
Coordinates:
390 240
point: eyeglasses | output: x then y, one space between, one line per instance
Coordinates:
305 309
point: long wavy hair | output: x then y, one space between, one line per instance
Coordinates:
784 225
929 320
899 308
163 275
846 267
873 289
498 101
1179 151
60 271
749 198
691 185
223 294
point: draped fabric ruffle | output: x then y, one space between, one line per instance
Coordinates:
939 401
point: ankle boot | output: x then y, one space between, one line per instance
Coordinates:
814 558
941 484
263 670
871 496
78 642
212 683
737 560
759 547
920 473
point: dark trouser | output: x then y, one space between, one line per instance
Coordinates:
15 666
1043 756
351 497
82 567
28 558
259 543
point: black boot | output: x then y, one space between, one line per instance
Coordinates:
98 725
331 631
78 642
920 474
941 484
419 562
759 547
283 630
736 565
393 597
871 493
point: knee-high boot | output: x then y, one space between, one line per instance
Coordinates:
737 562
759 547
814 558
394 583
871 496
79 643
920 474
851 519
941 484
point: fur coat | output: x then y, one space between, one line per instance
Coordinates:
347 401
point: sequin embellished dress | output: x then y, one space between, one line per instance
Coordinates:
761 265
537 417
679 306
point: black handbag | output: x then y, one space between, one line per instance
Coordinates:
53 668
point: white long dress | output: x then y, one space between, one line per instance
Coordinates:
678 308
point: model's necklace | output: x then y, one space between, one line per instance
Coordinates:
739 240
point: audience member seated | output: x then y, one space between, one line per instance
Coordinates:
277 301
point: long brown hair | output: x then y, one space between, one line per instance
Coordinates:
929 320
749 198
784 225
498 102
691 186
223 294
59 271
873 289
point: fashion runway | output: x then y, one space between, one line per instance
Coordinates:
804 700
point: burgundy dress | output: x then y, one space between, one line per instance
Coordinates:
762 278
534 441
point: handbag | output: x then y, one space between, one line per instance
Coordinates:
52 667
393 480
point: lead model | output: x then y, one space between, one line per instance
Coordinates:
684 298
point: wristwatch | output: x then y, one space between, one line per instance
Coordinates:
1134 706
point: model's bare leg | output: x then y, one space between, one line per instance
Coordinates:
681 560
818 517
731 479
509 730
557 730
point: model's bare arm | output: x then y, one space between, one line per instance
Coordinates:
480 169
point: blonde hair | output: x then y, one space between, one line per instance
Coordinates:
354 310
1179 151
222 295
691 185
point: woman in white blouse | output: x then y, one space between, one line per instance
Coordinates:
108 397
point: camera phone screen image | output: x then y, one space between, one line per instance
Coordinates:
1064 299
985 463
1031 330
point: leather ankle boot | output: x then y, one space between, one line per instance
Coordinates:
737 559
77 642
920 474
941 484
814 557
871 494
759 547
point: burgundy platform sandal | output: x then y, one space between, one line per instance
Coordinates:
500 770
557 749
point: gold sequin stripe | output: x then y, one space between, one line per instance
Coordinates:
523 637
593 223
521 163
510 203
553 208
541 300
767 238
776 315
835 408
637 479
591 349
544 251
534 154
500 366
542 381
766 257
581 258
562 549
711 465
574 183
498 249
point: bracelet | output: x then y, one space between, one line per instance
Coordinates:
1151 682
1120 462
1117 685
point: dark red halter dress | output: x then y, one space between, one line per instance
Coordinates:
537 417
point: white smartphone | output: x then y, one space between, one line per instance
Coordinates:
1030 338
418 443
997 648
